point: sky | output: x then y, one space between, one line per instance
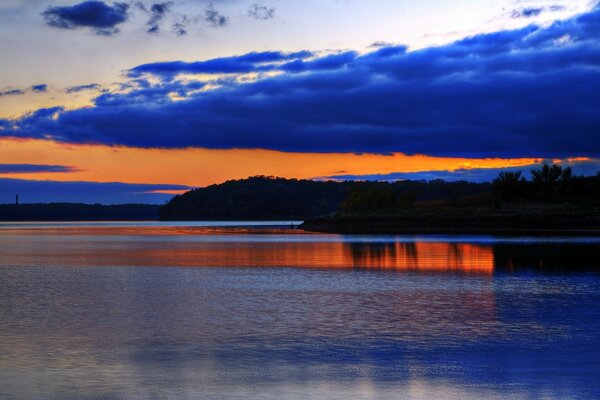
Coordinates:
141 100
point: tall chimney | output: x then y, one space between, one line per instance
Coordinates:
17 200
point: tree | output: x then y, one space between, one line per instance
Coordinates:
407 199
549 179
510 186
370 197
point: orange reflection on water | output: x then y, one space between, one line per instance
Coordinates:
423 256
73 229
418 256
237 247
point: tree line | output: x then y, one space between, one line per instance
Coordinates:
548 183
78 212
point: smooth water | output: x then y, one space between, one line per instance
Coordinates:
202 311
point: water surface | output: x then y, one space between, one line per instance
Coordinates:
204 310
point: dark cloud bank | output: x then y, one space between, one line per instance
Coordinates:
586 168
36 191
527 92
30 191
33 168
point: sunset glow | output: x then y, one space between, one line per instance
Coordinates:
199 167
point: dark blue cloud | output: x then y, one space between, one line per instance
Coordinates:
83 192
478 175
33 168
250 62
39 88
97 15
526 92
158 11
158 14
81 88
12 92
17 92
146 95
529 12
329 62
387 51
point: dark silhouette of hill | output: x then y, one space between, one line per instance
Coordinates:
264 198
257 198
78 212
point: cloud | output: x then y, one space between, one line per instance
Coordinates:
478 175
530 92
179 29
33 168
329 62
527 12
39 88
81 88
31 191
261 12
101 18
12 92
18 92
158 11
213 18
530 12
158 14
250 62
379 44
156 95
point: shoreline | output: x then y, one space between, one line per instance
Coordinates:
460 221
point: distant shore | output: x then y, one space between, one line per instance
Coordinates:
78 212
521 220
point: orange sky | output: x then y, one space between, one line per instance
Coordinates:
199 167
